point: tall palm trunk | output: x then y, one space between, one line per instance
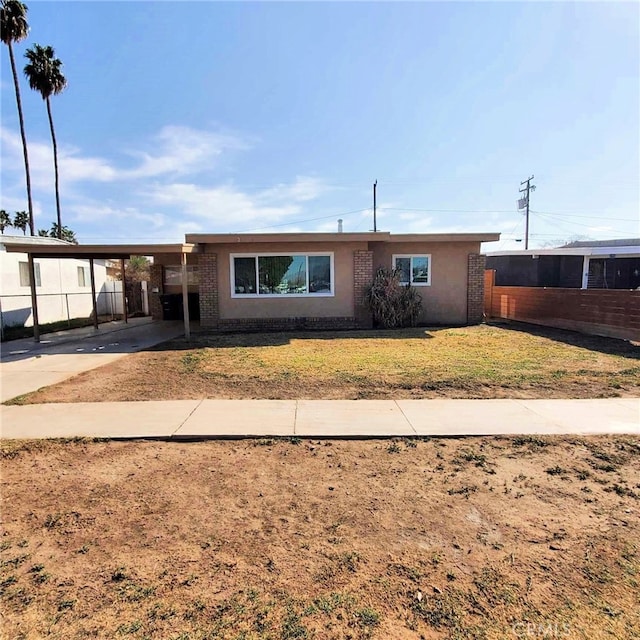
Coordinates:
24 138
55 166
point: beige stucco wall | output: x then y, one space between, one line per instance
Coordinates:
445 300
339 305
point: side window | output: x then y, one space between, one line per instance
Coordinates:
414 270
82 276
23 268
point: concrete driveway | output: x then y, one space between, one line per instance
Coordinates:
27 366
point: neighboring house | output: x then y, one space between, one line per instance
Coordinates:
592 287
318 280
113 269
63 285
601 264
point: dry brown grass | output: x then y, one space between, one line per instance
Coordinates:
266 539
488 361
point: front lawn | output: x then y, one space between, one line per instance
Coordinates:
487 361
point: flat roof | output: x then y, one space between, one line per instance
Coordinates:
99 251
445 237
33 240
370 236
194 240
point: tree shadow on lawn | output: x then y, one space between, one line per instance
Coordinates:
608 346
276 339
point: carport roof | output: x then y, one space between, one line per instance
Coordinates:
99 251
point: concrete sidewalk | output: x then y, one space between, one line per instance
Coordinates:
200 419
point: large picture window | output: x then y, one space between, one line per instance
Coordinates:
415 270
294 274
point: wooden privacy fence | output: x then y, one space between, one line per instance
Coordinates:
606 312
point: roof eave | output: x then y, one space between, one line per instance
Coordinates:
101 251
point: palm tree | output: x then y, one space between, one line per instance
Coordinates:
14 28
5 220
44 75
63 233
21 221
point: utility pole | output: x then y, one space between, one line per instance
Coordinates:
375 184
527 189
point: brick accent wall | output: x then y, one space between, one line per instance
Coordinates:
155 282
286 324
606 312
362 278
208 273
475 287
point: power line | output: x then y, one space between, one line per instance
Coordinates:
556 220
511 233
555 235
569 215
447 210
559 213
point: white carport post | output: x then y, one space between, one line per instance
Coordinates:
93 293
124 292
34 299
185 296
585 272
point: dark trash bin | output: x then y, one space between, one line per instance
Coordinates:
194 306
172 306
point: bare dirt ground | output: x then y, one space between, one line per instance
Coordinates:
487 361
404 539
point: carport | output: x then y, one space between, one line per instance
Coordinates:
103 252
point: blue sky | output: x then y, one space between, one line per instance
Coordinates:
225 117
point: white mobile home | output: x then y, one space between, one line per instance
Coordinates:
63 286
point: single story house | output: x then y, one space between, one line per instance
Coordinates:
279 281
597 264
317 280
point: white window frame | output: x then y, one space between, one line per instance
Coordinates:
307 254
411 256
82 279
23 274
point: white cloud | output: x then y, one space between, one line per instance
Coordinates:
181 150
93 211
302 190
159 191
176 150
11 204
224 204
602 230
72 166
